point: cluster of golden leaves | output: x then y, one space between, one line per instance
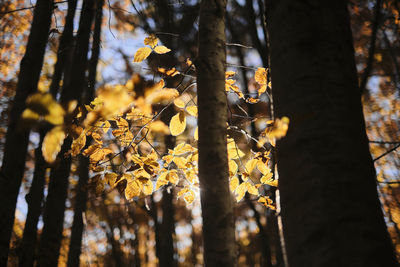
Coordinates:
143 52
117 114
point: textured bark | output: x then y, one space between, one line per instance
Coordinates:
216 202
82 193
74 85
34 200
35 197
330 208
12 169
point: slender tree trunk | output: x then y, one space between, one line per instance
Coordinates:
74 84
216 201
12 169
330 208
35 197
81 193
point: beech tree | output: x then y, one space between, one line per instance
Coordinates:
330 208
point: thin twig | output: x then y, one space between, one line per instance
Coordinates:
387 152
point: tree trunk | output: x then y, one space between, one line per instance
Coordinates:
35 197
330 208
74 84
81 192
17 140
216 201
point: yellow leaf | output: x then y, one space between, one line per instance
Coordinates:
111 178
233 151
173 177
263 168
182 192
162 96
180 162
251 189
261 76
29 116
106 126
179 103
141 54
177 124
233 167
192 110
40 103
250 165
78 144
162 180
91 149
229 74
159 127
52 143
133 188
262 89
188 62
147 187
183 148
161 49
233 183
189 197
151 40
196 134
241 191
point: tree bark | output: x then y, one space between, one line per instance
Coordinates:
17 140
35 197
330 208
82 193
216 202
74 85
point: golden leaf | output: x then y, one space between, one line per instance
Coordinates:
159 127
189 197
162 96
188 62
251 189
133 188
173 177
106 126
40 103
91 149
261 76
250 165
241 191
233 183
179 103
162 179
151 40
192 110
177 124
233 167
29 117
183 148
141 54
111 178
161 49
196 134
180 162
263 168
78 144
52 143
233 151
229 74
147 187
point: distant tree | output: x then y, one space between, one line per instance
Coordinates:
330 208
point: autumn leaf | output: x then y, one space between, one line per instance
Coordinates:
147 187
78 144
133 188
233 183
52 143
177 124
111 178
252 189
141 54
161 49
179 103
192 110
233 167
261 76
151 40
241 191
182 148
250 165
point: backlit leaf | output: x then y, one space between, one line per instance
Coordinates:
133 188
179 103
141 54
192 110
161 49
78 144
177 124
52 143
151 40
147 187
241 191
233 167
233 183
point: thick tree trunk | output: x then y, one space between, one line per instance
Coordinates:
216 201
330 208
17 140
35 197
74 85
